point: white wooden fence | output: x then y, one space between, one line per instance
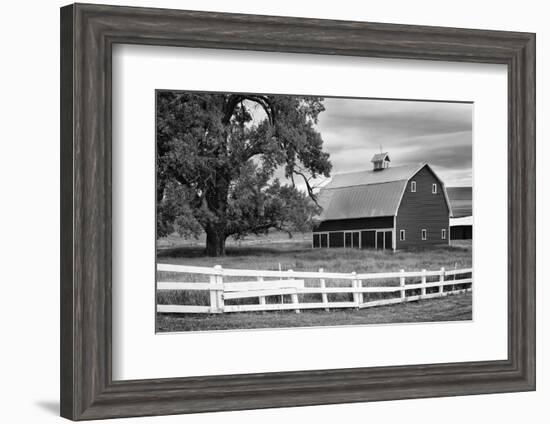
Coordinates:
291 284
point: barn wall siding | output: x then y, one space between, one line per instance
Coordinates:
422 210
356 224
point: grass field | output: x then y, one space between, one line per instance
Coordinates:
451 308
277 252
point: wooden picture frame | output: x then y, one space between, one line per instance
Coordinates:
88 33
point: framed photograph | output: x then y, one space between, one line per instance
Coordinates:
292 205
263 212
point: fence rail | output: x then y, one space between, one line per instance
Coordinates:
292 284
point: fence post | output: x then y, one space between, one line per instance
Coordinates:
454 278
219 291
402 285
261 298
441 279
423 289
359 294
294 296
212 291
354 286
324 296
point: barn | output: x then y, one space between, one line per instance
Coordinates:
461 222
383 208
461 228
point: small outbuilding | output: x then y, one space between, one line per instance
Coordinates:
461 222
461 228
383 208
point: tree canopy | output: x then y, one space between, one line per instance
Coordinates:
217 156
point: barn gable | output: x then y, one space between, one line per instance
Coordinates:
426 170
424 211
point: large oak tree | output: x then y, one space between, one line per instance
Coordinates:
217 155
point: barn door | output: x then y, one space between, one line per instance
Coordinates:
388 239
380 240
368 239
316 242
355 239
347 239
384 239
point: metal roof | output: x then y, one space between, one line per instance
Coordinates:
386 175
464 220
361 201
367 194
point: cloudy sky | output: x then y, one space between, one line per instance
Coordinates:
410 131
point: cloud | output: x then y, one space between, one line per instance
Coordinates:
411 131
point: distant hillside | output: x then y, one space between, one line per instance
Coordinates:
461 201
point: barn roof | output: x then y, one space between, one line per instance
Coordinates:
366 194
464 220
361 201
387 175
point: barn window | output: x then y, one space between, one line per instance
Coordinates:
401 235
434 188
424 235
413 186
443 234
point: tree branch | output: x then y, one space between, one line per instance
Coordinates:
234 99
308 186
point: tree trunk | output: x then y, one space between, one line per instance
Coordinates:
215 242
216 195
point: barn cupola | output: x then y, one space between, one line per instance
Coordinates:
380 161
